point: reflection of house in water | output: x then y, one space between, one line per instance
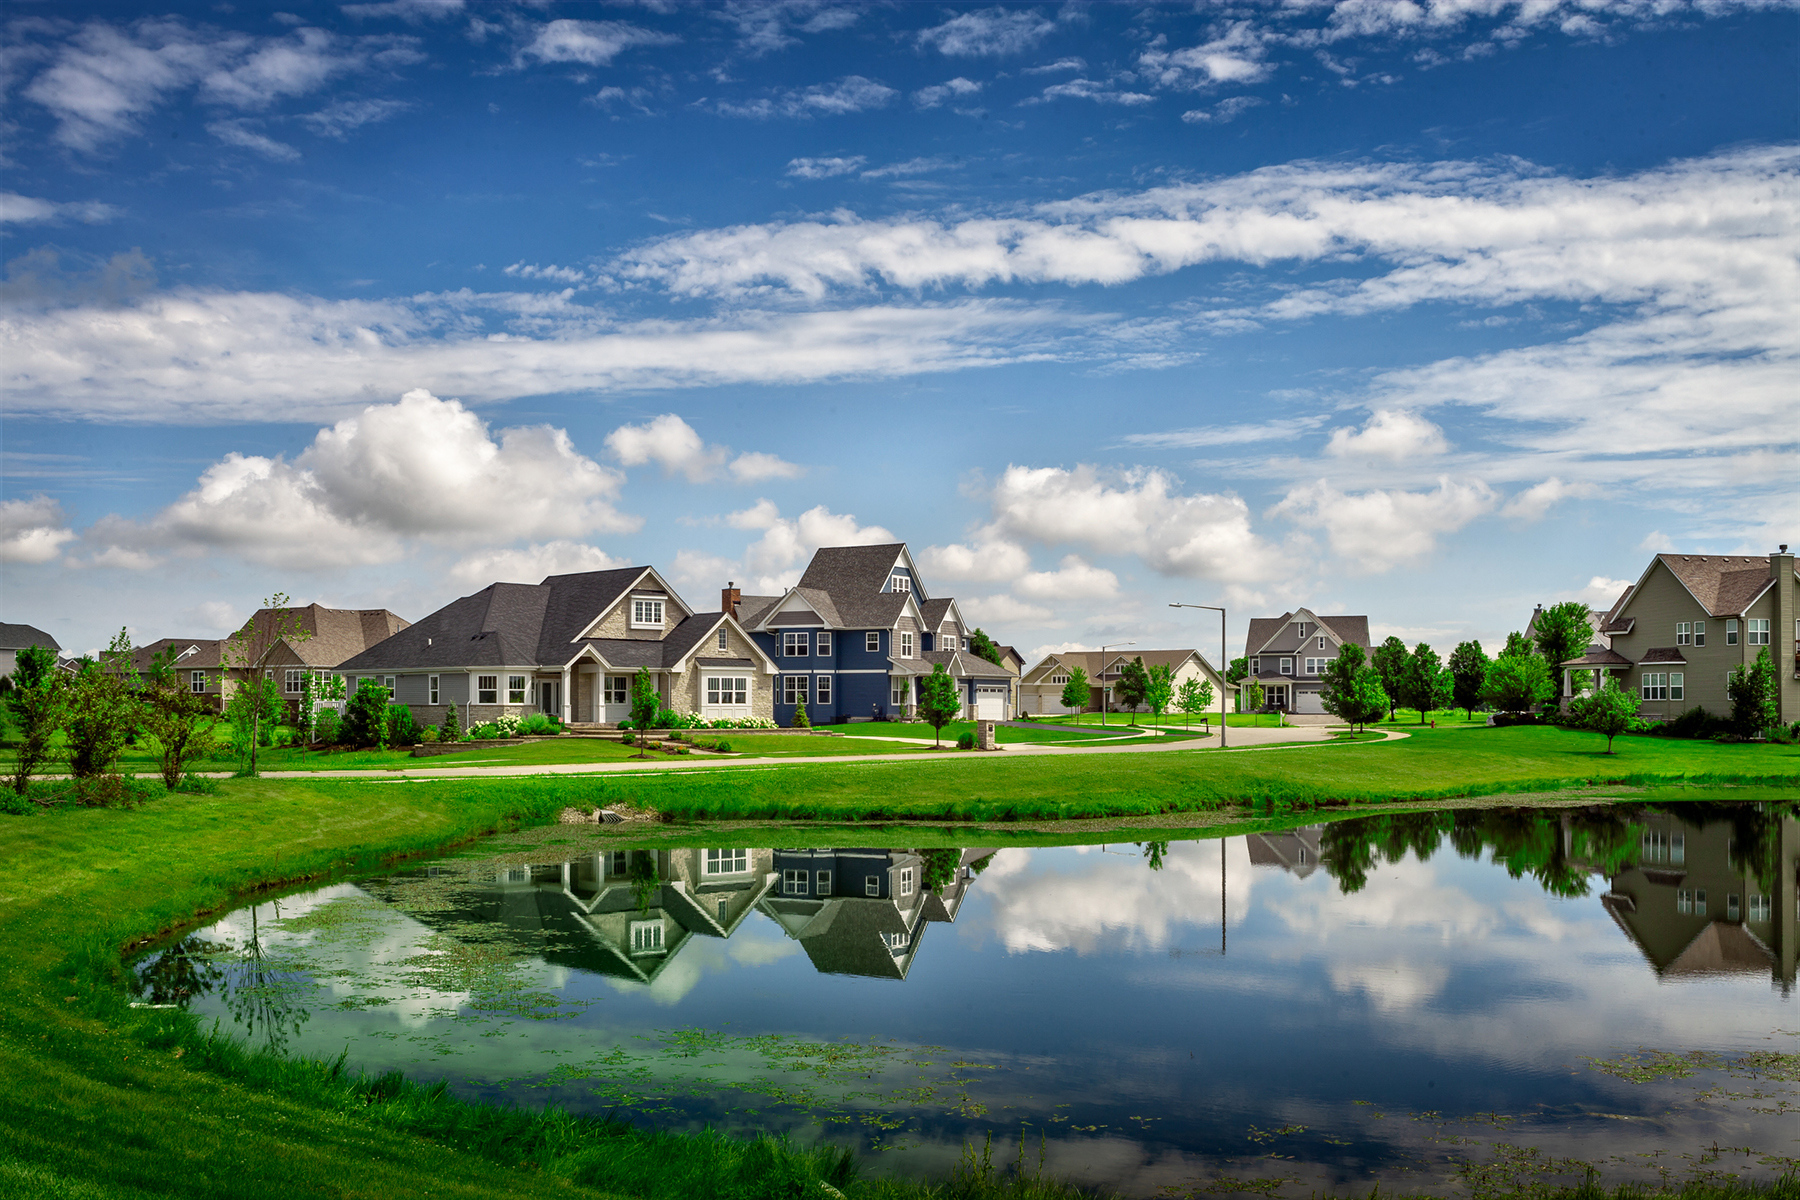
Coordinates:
862 912
1293 850
1695 906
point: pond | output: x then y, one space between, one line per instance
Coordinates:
1464 1001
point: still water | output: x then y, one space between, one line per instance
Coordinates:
1442 1001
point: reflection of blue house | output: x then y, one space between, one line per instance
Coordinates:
852 638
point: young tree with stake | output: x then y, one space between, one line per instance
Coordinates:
1075 692
644 705
182 723
939 700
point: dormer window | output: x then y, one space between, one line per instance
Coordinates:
1302 625
646 614
724 640
899 583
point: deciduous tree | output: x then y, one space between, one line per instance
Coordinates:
940 701
1160 691
983 646
182 723
1562 632
644 705
37 703
248 650
1425 684
1075 692
1752 691
1389 660
1515 682
1133 685
1194 697
104 710
1611 710
1468 671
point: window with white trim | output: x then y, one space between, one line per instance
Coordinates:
822 688
906 644
896 942
515 689
1760 909
727 689
871 885
1731 906
906 881
872 643
899 691
822 644
1684 902
1654 685
793 881
724 639
1318 666
431 688
196 682
646 937
899 583
1731 633
1287 666
388 682
1682 636
1699 633
1256 666
1302 625
292 680
726 862
487 689
1059 679
822 884
794 645
965 643
793 689
646 614
1758 631
1677 684
724 909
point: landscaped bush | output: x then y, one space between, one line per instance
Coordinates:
481 733
1503 719
508 725
627 738
667 719
1696 722
403 729
741 723
539 725
326 727
365 716
429 734
966 741
722 746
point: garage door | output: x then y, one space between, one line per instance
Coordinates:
990 702
1307 702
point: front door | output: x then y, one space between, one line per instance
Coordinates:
547 697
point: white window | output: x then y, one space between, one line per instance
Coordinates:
871 885
431 688
515 689
727 862
291 681
1302 625
823 646
1654 685
1759 631
618 690
487 689
793 645
1700 902
196 681
1059 679
899 583
1699 633
906 881
872 643
823 886
896 941
724 639
1287 666
793 882
1684 902
646 614
646 937
906 644
793 689
1760 909
1677 684
1313 667
822 688
1656 846
387 681
1682 637
727 689
1321 645
1256 666
900 693
724 909
1731 633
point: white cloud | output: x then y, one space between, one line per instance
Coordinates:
531 564
1599 593
1226 435
852 93
238 132
912 166
774 561
1389 434
104 77
1074 579
410 11
1007 609
754 466
695 569
988 560
24 210
1224 112
119 558
590 43
1657 542
292 66
1235 55
950 89
673 444
763 25
1535 502
824 168
764 514
336 120
1139 512
423 468
32 531
1088 89
990 31
1377 530
1061 64
552 272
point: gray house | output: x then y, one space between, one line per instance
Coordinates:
1288 654
14 638
570 646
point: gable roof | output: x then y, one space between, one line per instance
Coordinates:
1724 584
17 637
932 612
855 568
1089 661
207 652
337 634
1265 630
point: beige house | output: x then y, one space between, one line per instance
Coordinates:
311 640
570 646
199 664
1041 688
1689 621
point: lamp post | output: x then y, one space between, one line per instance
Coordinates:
1103 687
1223 662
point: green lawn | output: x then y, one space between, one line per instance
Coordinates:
1068 734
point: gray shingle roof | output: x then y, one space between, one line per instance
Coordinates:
17 637
1725 584
852 569
751 609
207 652
1264 630
933 611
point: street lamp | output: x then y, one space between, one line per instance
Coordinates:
1223 660
1103 687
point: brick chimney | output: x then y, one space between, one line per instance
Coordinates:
730 597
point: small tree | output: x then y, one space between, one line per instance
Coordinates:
1425 683
1194 697
983 646
248 649
644 705
254 705
316 690
1337 683
1133 686
104 711
801 720
939 701
1368 699
1468 671
1390 660
37 703
1752 691
450 730
1611 710
1515 682
366 716
1075 692
1253 697
1160 692
182 723
1562 632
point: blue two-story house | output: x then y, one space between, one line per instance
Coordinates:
852 638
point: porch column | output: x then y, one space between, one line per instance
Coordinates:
564 696
1568 683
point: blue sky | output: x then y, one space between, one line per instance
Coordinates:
1427 311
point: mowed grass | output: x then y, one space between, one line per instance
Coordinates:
1057 732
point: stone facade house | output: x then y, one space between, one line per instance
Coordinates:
1288 654
569 646
1689 621
1040 689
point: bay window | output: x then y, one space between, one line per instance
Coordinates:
515 689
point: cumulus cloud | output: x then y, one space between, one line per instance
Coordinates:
422 468
1004 609
1378 530
824 168
1389 434
950 89
531 564
1600 592
25 210
1657 542
988 560
671 443
32 531
590 43
774 561
1535 502
852 93
990 31
764 25
1074 579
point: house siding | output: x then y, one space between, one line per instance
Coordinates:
1660 602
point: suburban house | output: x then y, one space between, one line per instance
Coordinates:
1689 621
1041 688
199 664
288 646
14 638
855 634
1288 654
569 646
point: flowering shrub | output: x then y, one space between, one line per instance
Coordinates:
741 723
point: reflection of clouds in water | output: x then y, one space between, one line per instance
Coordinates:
1409 895
1392 986
1090 898
756 943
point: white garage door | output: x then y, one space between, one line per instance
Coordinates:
1307 702
990 702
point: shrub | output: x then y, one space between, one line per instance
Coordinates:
666 719
538 725
365 716
965 741
722 746
403 729
451 730
484 732
628 738
801 720
1696 722
741 723
1517 718
428 734
625 724
325 726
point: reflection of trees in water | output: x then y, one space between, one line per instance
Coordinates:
1153 853
940 868
644 877
263 997
1561 849
184 971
